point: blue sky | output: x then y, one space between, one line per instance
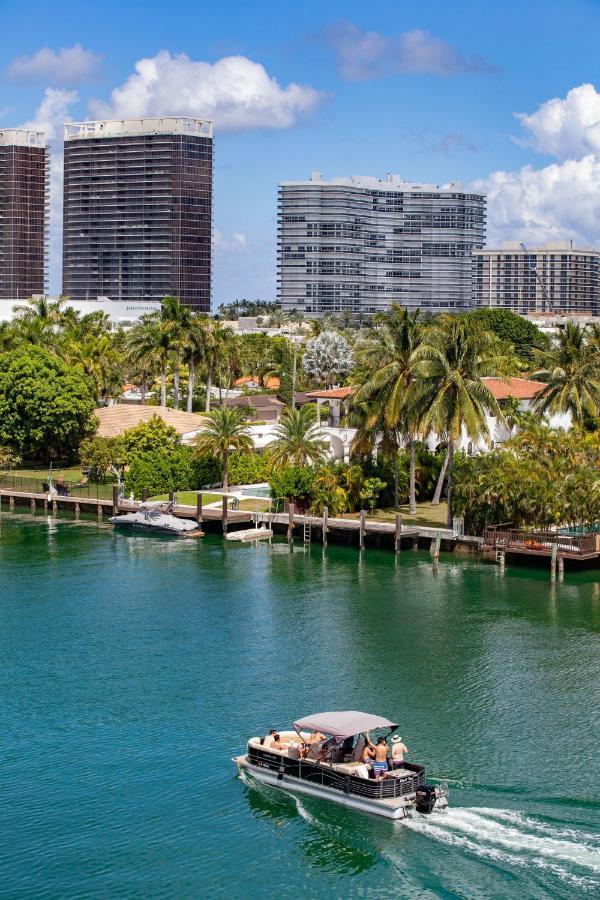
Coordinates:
426 90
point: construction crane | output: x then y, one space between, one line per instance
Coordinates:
533 266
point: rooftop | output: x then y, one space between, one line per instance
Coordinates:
332 394
129 127
22 137
519 388
390 182
114 420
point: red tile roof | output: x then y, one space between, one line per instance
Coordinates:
332 394
519 388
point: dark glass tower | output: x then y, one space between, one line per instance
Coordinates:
138 210
24 183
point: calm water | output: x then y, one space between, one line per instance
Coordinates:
132 668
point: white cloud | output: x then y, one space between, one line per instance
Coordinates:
52 112
235 92
368 54
566 128
66 66
237 243
557 202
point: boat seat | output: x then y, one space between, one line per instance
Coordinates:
346 768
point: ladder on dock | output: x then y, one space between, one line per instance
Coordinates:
308 523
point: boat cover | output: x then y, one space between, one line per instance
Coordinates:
343 724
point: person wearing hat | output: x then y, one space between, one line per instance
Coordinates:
398 751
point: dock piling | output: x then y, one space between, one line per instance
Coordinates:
144 494
325 518
435 547
397 533
32 504
99 509
224 513
561 568
290 531
115 499
77 510
11 502
553 562
361 533
199 508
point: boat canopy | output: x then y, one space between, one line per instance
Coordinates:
343 724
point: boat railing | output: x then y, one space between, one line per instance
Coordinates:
365 787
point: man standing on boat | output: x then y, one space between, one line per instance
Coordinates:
380 752
398 751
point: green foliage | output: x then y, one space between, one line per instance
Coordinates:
371 489
8 458
46 406
161 471
543 477
525 337
329 492
248 468
147 437
99 454
207 469
295 483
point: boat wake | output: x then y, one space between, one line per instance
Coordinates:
512 838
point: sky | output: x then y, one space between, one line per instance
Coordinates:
502 97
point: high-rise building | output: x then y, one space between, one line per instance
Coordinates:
24 186
359 244
555 278
138 210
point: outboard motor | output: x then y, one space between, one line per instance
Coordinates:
425 798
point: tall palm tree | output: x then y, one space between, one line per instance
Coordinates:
297 438
571 370
150 342
227 430
390 356
196 346
217 337
175 319
448 388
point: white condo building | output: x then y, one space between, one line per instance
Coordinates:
359 244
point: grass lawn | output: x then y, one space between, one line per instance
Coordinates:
188 498
427 516
40 470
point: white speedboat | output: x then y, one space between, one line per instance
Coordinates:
332 768
157 517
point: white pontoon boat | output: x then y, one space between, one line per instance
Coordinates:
333 768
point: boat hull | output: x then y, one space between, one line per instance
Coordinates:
401 810
118 522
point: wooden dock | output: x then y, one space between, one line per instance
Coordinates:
549 544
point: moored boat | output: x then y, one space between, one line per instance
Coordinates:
157 517
332 767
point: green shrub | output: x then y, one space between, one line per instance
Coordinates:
149 436
295 483
160 471
248 468
206 469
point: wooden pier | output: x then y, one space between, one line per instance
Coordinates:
552 545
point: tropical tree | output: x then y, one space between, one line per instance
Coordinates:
390 356
148 344
571 370
197 345
226 430
175 320
298 438
449 390
327 357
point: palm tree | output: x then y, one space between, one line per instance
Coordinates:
175 318
297 438
390 353
572 372
149 342
226 431
448 388
198 340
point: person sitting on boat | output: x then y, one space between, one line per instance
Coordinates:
315 737
379 752
398 751
268 741
278 744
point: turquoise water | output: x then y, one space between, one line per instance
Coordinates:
133 667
